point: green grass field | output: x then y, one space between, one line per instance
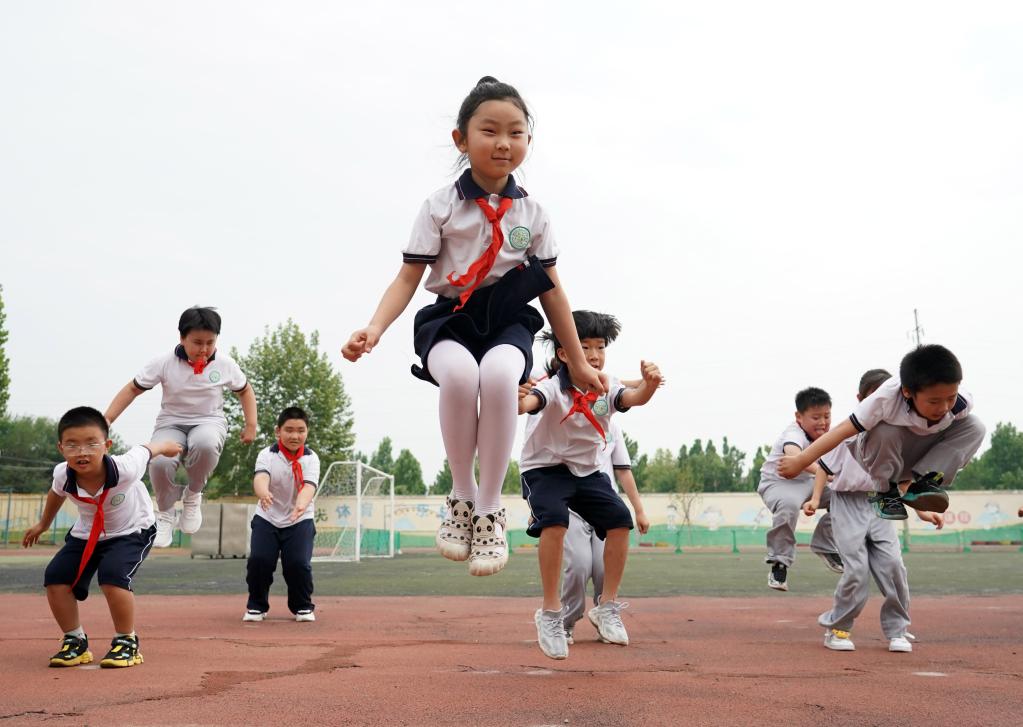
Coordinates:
981 572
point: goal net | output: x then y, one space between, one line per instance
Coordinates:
354 513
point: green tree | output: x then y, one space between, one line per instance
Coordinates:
408 475
5 378
442 482
512 480
285 368
382 458
639 462
753 478
1000 467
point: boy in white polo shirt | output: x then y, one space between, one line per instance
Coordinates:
194 376
869 545
784 499
283 527
111 537
913 434
561 471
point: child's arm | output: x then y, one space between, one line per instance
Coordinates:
165 449
529 403
628 484
820 480
646 389
261 486
933 518
247 398
302 500
122 399
559 315
790 466
394 301
50 510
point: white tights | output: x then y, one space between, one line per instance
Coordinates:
479 406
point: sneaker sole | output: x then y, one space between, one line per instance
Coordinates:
900 650
188 530
305 619
82 659
839 648
487 567
121 663
932 501
253 619
831 566
777 586
451 551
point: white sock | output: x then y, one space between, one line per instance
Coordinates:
77 632
500 371
130 636
454 368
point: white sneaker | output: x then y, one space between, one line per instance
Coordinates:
489 547
253 615
838 640
191 512
305 615
900 644
607 617
550 633
165 520
455 533
910 636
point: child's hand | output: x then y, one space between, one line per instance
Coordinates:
788 466
296 513
362 341
642 522
932 517
527 387
32 535
248 435
651 374
168 448
266 500
810 507
591 379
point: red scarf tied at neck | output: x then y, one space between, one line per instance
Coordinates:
481 268
98 526
198 365
296 466
581 403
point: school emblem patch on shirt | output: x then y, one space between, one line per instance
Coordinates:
117 499
214 376
600 407
519 238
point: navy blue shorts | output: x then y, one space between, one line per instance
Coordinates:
552 491
115 560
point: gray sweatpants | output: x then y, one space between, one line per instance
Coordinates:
785 499
203 444
869 546
583 559
891 453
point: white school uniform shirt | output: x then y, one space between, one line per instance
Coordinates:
574 443
190 398
887 404
127 509
451 232
848 474
793 434
282 484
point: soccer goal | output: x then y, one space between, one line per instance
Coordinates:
354 513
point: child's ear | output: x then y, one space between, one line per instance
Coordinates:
562 356
460 143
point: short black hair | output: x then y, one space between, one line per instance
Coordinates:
587 325
198 318
488 88
811 396
929 365
292 412
871 380
82 416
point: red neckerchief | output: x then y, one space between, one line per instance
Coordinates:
293 459
479 269
198 365
97 528
581 405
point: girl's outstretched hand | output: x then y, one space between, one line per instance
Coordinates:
362 341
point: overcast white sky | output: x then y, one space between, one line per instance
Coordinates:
762 192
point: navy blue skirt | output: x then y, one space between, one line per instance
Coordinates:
495 315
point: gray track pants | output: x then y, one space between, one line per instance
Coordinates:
203 444
583 559
785 499
893 454
869 546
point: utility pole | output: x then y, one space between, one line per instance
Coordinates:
916 333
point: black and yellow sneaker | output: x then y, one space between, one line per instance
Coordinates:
74 650
925 493
124 651
888 505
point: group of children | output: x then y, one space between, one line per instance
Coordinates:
905 442
491 252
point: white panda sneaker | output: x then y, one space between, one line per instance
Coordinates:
489 548
455 533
